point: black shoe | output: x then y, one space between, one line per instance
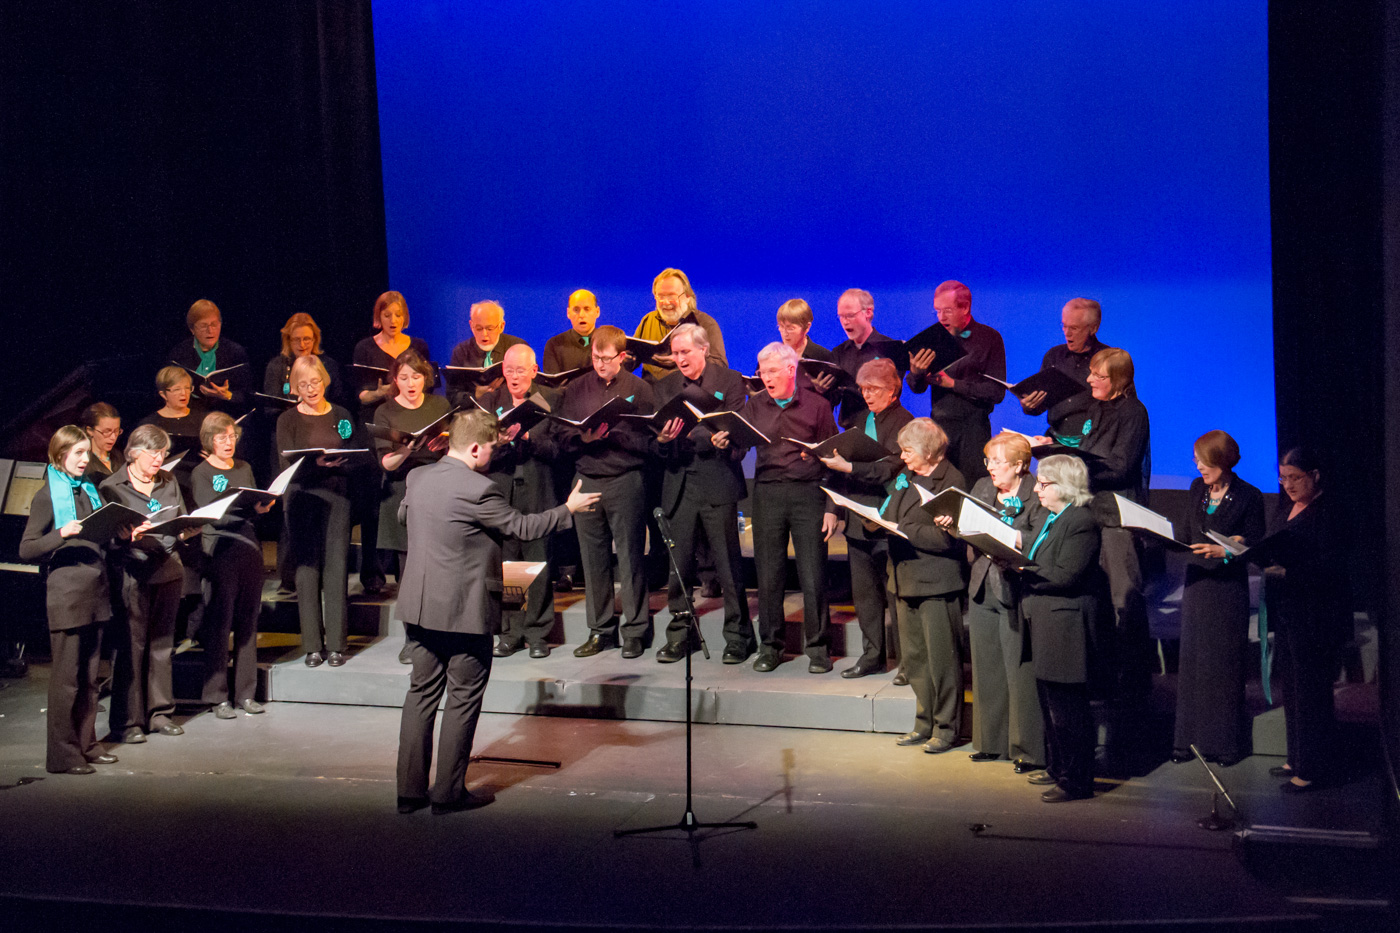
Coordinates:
819 666
1288 787
632 648
1041 778
937 746
79 769
505 649
736 654
169 728
1280 771
539 651
468 801
767 660
1026 767
595 644
672 651
412 804
1060 795
315 659
983 756
862 669
901 679
225 711
252 707
710 589
564 584
405 657
374 588
133 735
103 759
911 738
1180 758
335 659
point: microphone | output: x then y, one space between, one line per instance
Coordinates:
665 527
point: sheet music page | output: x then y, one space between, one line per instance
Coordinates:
1133 515
869 513
974 520
1233 548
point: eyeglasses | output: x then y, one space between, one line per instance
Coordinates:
311 384
600 358
108 432
518 370
1042 484
1290 480
997 461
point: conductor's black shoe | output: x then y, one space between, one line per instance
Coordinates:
412 804
79 769
335 659
862 669
819 666
505 649
404 656
1022 766
1041 778
133 735
672 651
767 660
1225 761
901 679
632 648
983 756
595 643
225 711
1060 795
736 654
468 801
1180 757
539 651
103 759
314 659
911 738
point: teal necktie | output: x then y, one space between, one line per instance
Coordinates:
870 426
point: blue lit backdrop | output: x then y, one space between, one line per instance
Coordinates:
1115 150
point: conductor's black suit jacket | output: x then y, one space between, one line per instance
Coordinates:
456 521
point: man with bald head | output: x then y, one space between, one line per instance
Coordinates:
1079 321
573 348
960 399
488 344
521 467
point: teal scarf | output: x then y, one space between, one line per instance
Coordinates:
870 426
1266 651
206 359
1045 530
62 489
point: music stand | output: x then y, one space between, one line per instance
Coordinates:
687 822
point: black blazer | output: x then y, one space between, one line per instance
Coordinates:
866 481
523 470
1120 439
930 562
226 354
1241 513
1061 598
693 465
1313 549
76 587
986 578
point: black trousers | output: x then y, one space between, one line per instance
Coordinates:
617 521
1308 664
1069 735
780 510
142 687
1006 707
367 490
868 560
532 624
461 665
319 520
695 524
930 640
72 716
235 601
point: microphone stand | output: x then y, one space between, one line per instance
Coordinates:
687 822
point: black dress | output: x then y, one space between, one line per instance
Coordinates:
369 353
1210 710
392 535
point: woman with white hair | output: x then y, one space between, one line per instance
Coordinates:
1060 603
928 580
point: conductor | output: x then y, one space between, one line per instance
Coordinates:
450 603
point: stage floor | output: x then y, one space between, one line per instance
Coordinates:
292 812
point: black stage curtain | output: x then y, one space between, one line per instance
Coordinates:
159 152
1335 197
